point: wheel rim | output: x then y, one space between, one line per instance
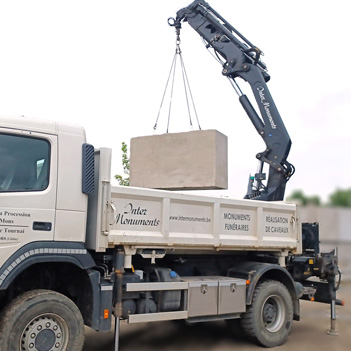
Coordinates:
46 332
273 313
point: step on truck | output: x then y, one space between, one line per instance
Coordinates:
76 251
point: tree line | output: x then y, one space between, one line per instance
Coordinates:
339 198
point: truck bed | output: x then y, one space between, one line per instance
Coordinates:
145 218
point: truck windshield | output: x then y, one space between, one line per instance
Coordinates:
24 163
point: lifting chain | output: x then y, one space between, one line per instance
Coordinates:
187 90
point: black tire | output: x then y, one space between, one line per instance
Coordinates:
41 320
268 319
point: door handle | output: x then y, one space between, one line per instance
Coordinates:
42 226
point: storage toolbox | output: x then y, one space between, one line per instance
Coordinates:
208 296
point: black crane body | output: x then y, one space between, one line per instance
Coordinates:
241 59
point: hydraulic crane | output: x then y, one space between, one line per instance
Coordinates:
241 59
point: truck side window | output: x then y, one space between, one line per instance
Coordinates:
24 163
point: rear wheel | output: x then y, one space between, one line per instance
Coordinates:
41 320
268 319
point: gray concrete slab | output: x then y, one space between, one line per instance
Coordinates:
180 161
308 334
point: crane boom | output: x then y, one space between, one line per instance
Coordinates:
241 59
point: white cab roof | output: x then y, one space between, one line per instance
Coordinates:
40 125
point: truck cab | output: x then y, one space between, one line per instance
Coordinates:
40 183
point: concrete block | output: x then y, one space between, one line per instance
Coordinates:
180 161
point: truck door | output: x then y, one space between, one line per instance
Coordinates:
28 173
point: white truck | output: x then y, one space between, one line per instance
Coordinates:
76 251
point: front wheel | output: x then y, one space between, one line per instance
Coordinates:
41 320
268 319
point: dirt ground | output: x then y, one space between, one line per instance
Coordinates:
308 334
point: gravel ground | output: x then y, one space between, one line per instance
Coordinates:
308 334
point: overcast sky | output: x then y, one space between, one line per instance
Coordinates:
104 65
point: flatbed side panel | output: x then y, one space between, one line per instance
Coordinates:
147 218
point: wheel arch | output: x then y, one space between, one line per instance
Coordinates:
257 272
42 252
66 268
